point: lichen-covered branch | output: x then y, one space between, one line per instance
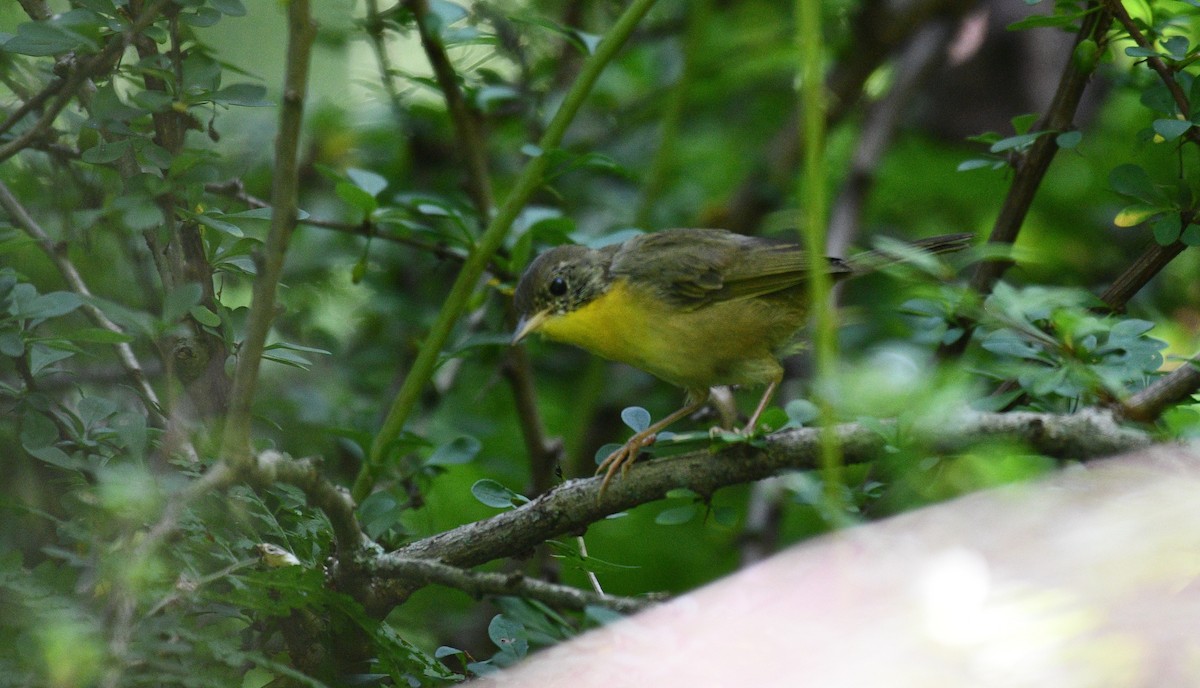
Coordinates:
573 506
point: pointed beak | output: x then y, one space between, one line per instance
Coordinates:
528 324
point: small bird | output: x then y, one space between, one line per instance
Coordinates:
695 307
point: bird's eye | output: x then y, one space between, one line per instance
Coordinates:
558 286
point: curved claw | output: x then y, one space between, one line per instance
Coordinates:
623 458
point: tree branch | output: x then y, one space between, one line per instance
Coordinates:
1032 166
422 572
1148 404
235 443
576 504
1144 268
471 144
21 218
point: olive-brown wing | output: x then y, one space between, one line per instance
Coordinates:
696 267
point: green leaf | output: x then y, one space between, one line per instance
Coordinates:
42 356
1171 129
979 163
105 152
636 418
44 38
202 315
1167 229
1134 215
1068 139
509 635
12 345
725 516
1176 47
230 8
286 357
1191 235
1139 51
37 431
1023 123
1133 181
1017 142
1130 328
366 180
493 494
180 300
801 411
460 450
52 305
227 228
245 95
98 335
356 197
676 515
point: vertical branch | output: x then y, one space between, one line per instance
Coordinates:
301 32
374 27
467 128
812 199
528 182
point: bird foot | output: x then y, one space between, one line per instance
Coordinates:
623 458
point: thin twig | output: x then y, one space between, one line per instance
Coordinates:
923 52
374 27
70 274
469 135
235 443
366 229
423 572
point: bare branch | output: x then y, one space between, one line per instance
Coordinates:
301 32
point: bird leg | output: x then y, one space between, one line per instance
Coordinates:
623 458
762 404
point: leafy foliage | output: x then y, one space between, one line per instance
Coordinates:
137 147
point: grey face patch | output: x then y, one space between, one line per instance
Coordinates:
561 280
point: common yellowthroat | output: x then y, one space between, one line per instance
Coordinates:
695 307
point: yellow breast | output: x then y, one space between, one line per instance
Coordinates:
730 342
